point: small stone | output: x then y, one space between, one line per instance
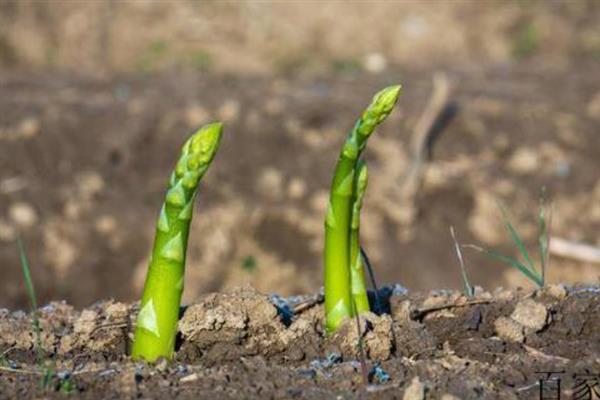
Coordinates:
22 214
106 224
509 329
448 396
524 161
481 293
86 322
29 127
531 314
503 294
296 188
189 378
415 390
557 291
117 311
375 63
270 183
401 310
162 365
90 183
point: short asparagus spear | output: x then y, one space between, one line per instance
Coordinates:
357 274
159 313
337 224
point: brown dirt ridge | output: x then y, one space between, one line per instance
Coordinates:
244 344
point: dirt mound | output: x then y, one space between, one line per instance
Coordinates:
246 344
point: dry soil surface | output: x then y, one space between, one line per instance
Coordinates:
239 344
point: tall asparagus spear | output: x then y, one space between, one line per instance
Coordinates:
159 313
357 274
337 224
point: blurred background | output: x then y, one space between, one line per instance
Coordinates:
501 99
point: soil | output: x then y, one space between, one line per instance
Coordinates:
244 344
93 111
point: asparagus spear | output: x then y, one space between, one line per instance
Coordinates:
357 275
159 313
337 224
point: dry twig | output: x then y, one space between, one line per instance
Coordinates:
575 250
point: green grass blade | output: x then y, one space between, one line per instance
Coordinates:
544 233
31 294
27 275
543 237
469 290
532 275
517 239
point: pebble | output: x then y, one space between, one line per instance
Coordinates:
509 329
503 294
29 127
117 311
402 311
415 390
189 378
530 314
375 63
524 161
448 396
296 188
23 214
90 183
557 291
105 224
162 365
270 183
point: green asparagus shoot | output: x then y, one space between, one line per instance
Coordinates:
338 293
357 274
157 321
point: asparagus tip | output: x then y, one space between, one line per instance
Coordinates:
204 143
387 97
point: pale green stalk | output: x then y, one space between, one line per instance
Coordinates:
157 322
337 224
357 272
